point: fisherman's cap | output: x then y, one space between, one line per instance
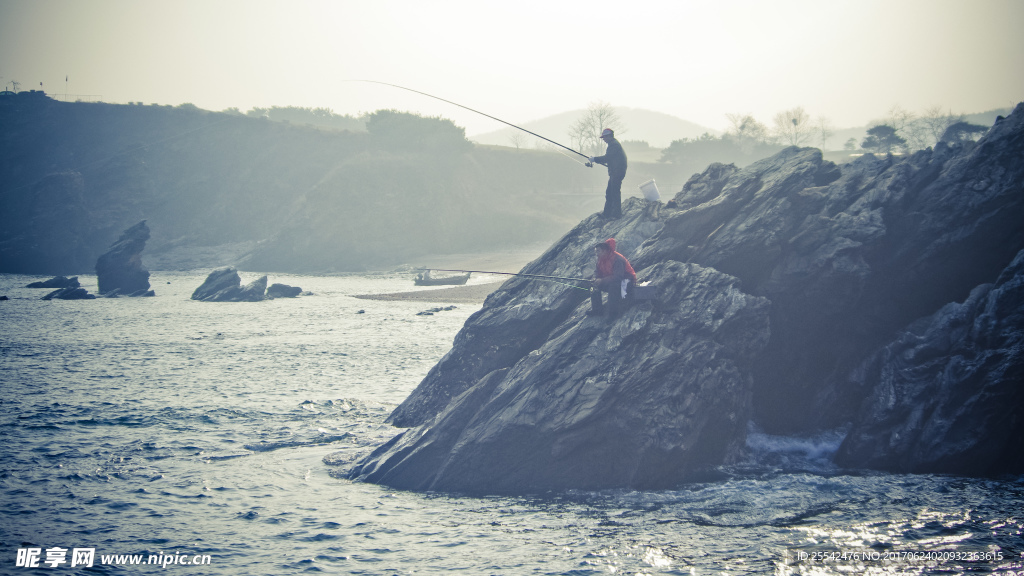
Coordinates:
607 133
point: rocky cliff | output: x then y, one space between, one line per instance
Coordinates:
791 293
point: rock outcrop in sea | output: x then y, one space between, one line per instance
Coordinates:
69 293
225 285
119 271
277 290
795 296
56 282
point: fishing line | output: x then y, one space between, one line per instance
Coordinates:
541 277
564 284
510 274
472 110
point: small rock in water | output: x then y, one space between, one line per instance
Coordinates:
69 294
283 291
431 311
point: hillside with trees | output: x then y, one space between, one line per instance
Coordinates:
223 188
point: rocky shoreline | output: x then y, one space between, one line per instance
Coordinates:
797 296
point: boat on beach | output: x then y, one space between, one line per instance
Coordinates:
425 279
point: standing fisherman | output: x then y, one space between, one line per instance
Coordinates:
615 159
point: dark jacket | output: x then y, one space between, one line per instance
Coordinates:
614 158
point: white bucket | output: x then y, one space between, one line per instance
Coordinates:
650 190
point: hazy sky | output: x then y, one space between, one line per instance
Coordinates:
522 60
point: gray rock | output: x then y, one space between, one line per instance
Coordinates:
120 268
848 261
56 282
283 291
224 285
945 394
518 317
256 290
69 294
645 401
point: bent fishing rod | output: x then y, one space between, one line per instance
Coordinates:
478 112
541 277
509 274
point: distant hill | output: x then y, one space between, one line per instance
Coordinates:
223 188
655 128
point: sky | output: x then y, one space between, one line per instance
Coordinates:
850 61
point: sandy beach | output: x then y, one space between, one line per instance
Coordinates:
511 260
472 294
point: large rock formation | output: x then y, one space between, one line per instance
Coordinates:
643 401
56 282
822 267
119 271
942 377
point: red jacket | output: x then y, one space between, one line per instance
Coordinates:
614 266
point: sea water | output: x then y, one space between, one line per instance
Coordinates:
164 434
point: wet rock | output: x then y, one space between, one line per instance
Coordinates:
56 282
224 285
120 268
69 294
518 317
645 401
945 394
283 291
849 263
256 290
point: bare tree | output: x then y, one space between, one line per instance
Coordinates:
747 131
517 139
907 127
823 130
793 126
936 122
585 133
14 85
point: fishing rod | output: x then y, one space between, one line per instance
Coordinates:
472 110
542 278
510 274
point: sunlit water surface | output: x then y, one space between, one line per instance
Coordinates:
163 426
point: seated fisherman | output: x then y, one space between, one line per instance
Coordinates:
614 276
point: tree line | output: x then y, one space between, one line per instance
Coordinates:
748 139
